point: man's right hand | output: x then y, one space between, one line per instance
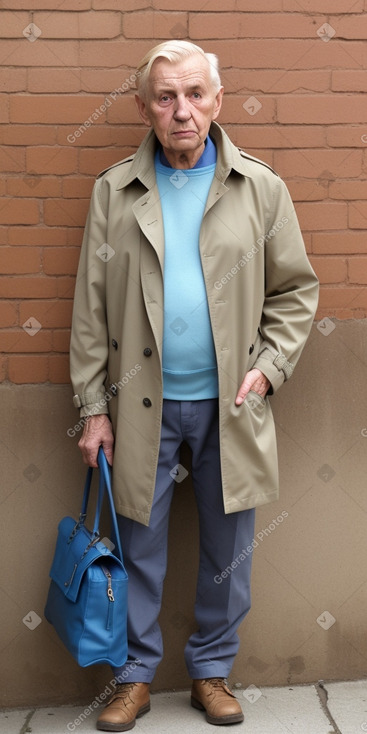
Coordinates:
97 432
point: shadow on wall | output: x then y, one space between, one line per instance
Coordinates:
309 585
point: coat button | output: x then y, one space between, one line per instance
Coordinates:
147 352
147 402
114 343
251 349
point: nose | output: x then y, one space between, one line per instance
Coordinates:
182 111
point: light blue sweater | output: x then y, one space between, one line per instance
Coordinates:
189 362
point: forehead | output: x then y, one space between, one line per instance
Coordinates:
191 71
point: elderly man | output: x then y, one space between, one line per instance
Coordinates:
194 299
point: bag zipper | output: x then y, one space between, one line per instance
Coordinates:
110 596
109 584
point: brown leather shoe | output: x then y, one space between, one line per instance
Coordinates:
127 703
213 696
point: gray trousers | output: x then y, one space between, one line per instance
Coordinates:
222 597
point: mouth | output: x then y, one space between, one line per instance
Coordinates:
184 133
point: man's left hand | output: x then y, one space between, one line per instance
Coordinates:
254 380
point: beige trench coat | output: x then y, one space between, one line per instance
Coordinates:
262 296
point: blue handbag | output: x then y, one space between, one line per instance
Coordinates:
87 598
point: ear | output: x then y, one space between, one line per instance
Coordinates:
142 109
218 103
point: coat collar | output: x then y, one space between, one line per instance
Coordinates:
228 158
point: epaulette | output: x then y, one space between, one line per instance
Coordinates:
119 163
257 160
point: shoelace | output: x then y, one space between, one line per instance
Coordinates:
122 691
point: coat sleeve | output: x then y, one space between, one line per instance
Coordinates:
89 333
291 292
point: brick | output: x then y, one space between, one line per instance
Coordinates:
307 190
38 236
4 235
103 24
77 188
342 298
358 215
264 80
352 26
114 53
12 24
65 287
47 159
59 369
24 211
74 235
305 54
28 369
124 110
326 109
29 287
60 261
320 164
13 80
338 243
105 80
57 109
54 80
50 314
117 5
61 340
15 260
4 108
74 5
8 314
155 25
23 53
323 6
233 110
347 190
343 136
67 212
217 5
27 135
12 159
329 215
93 161
35 185
246 25
17 340
357 270
330 269
102 135
349 81
277 136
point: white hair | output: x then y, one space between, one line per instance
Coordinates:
174 51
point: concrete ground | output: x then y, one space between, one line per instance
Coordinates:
324 708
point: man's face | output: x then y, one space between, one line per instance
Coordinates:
180 105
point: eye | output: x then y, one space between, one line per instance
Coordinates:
196 95
165 98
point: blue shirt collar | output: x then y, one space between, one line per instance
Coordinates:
207 158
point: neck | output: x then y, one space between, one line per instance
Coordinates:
185 159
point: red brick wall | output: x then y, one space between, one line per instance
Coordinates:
308 77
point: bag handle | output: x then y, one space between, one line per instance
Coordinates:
104 488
